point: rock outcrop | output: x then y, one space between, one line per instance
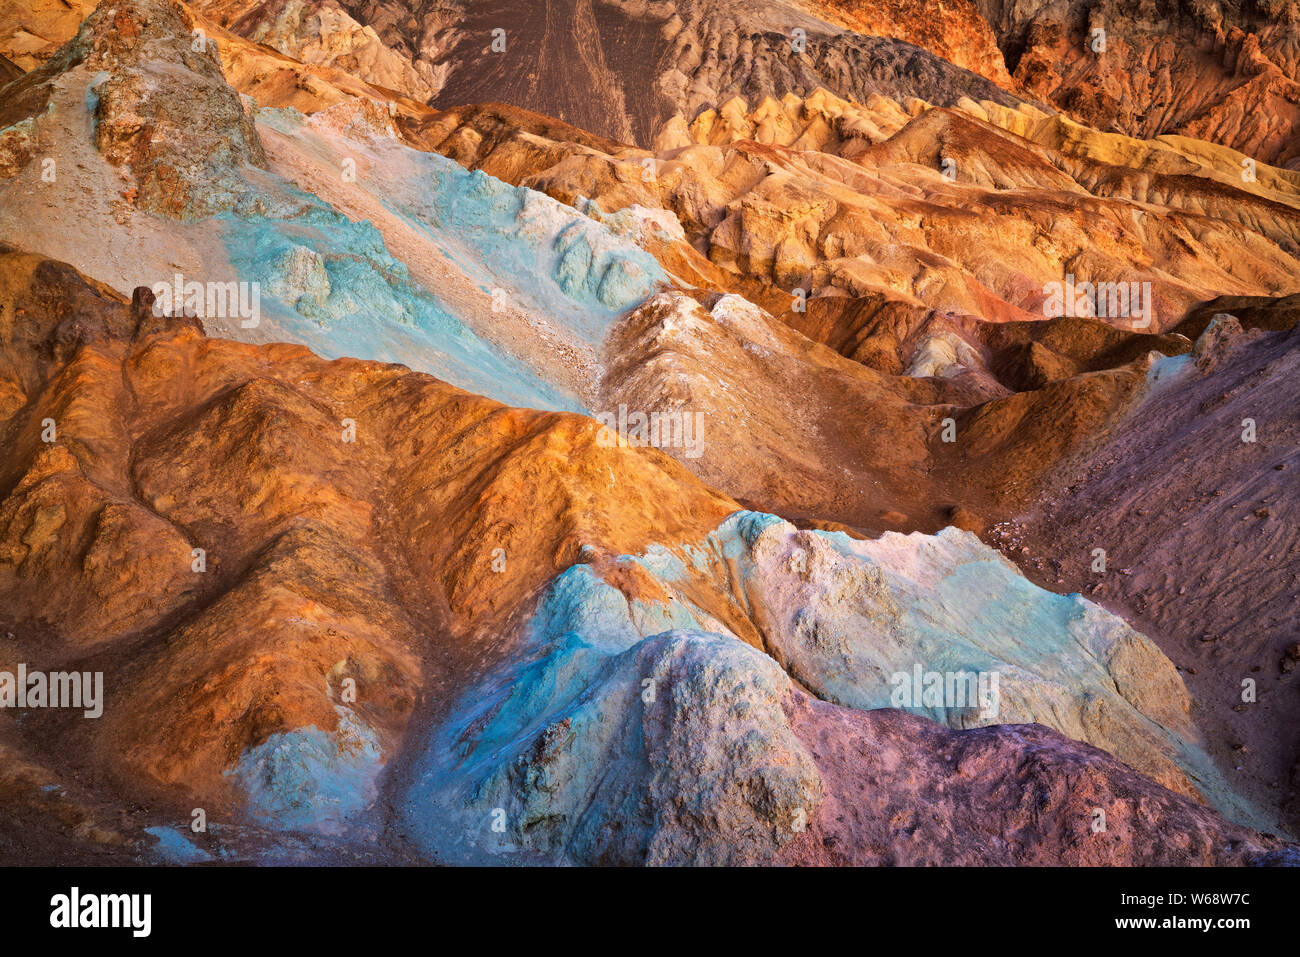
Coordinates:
162 111
1223 72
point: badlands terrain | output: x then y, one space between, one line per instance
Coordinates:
624 431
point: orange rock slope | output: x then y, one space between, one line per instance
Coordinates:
230 531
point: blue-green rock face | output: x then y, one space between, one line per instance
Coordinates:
332 283
571 761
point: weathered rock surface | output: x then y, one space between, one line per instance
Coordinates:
1011 794
956 31
1193 499
1224 72
974 211
163 112
619 69
631 713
